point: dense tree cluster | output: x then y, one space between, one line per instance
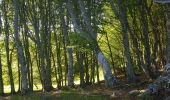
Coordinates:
51 42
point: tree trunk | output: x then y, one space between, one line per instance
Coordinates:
145 38
70 68
92 78
10 73
81 69
1 79
86 68
168 34
69 50
111 54
97 71
124 24
24 81
109 78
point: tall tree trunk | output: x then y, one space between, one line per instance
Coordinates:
168 33
97 71
146 41
81 69
70 68
69 50
111 54
124 24
109 78
134 38
59 63
24 81
46 39
1 79
86 68
92 78
10 73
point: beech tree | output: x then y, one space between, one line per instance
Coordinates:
91 36
20 53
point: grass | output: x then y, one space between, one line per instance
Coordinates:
76 96
60 96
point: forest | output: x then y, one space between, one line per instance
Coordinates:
84 50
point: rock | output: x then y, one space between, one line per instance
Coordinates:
134 92
161 86
167 98
117 94
167 68
153 88
113 95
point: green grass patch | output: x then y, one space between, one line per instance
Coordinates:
76 96
61 96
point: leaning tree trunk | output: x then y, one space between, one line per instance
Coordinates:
90 36
20 53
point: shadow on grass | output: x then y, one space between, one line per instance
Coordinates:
76 96
60 96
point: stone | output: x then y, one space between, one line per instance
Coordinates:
134 92
167 98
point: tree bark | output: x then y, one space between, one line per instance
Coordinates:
18 44
10 73
168 34
124 24
110 80
86 68
1 79
69 50
80 65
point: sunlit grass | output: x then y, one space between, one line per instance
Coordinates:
72 95
7 88
38 86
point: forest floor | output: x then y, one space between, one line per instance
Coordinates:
93 92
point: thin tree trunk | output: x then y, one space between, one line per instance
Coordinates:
97 71
10 73
86 68
137 48
81 69
146 41
58 52
19 76
124 23
168 33
1 79
111 54
70 68
92 78
69 51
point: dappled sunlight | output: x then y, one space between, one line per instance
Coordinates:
84 49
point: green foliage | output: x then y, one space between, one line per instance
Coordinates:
78 42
